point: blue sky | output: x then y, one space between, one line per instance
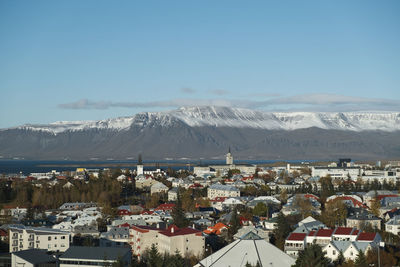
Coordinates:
90 60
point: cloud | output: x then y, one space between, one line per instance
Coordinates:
188 90
305 102
219 92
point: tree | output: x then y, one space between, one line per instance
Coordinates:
154 257
234 224
335 213
178 215
340 259
303 205
361 260
281 231
260 209
312 256
283 196
375 207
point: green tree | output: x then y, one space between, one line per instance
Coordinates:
361 260
234 224
281 231
260 209
312 256
178 215
154 258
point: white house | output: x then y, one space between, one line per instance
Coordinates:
393 225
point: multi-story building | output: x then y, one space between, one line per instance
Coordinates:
342 173
393 225
22 238
219 190
187 241
361 219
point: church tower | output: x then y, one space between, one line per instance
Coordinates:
229 157
139 166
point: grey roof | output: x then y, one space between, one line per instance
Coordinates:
35 256
224 187
95 253
249 249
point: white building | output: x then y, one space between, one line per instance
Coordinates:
393 225
219 190
158 188
337 172
22 238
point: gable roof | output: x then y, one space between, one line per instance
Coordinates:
249 248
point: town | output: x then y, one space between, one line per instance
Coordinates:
338 214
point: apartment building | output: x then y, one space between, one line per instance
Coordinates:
219 190
23 238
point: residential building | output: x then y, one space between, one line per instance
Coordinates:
342 173
393 225
22 238
158 188
219 190
187 241
361 218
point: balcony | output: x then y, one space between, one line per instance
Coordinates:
293 248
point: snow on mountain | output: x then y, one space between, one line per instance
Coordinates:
236 117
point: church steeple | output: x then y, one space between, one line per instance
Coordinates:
229 157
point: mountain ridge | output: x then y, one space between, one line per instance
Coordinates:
235 117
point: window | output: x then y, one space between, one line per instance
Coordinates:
49 238
334 252
63 237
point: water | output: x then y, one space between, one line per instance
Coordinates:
31 166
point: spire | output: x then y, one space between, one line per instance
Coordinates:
140 161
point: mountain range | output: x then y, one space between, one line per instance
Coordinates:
207 132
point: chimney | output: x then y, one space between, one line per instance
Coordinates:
172 229
158 225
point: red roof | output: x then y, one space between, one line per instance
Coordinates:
144 228
311 233
324 232
356 203
355 232
383 196
343 231
3 232
296 236
219 199
174 230
366 237
166 206
311 196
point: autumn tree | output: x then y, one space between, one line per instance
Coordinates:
335 213
303 205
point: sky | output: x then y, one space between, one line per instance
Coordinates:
94 59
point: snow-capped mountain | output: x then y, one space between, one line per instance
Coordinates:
237 118
207 132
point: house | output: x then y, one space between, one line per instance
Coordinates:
23 238
393 225
264 234
115 237
173 194
158 188
33 258
217 229
361 218
219 190
350 249
309 224
92 256
249 248
295 243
